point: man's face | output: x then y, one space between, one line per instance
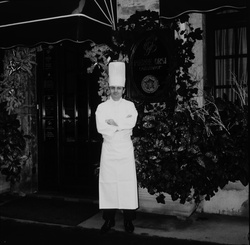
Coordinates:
116 92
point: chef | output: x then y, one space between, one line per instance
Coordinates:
115 119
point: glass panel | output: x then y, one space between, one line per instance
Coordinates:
242 38
69 106
49 129
223 72
69 130
82 129
229 70
49 106
224 42
48 82
242 68
228 92
69 84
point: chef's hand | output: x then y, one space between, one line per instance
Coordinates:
111 122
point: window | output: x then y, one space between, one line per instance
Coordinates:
227 53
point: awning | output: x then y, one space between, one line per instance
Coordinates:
31 22
172 9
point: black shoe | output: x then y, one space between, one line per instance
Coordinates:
108 225
129 227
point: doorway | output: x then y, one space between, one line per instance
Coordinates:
69 145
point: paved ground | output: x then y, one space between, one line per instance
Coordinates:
149 229
199 227
15 232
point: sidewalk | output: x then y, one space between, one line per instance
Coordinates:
219 229
202 227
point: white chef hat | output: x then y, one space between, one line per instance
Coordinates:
117 73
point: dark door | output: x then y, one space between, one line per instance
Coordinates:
69 146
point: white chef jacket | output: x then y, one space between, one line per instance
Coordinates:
117 177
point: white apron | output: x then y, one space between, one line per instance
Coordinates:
117 177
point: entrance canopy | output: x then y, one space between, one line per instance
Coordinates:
31 22
172 9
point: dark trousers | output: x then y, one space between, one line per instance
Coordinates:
128 214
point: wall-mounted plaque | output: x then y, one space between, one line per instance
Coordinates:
151 67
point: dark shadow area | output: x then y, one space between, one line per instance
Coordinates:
48 210
13 232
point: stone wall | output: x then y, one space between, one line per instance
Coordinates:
126 8
232 200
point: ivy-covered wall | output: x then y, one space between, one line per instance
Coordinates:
27 115
18 162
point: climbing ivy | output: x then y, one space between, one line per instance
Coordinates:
17 66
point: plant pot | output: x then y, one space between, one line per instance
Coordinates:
148 203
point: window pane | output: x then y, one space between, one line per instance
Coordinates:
224 42
228 92
242 37
229 54
69 130
224 70
242 68
69 106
